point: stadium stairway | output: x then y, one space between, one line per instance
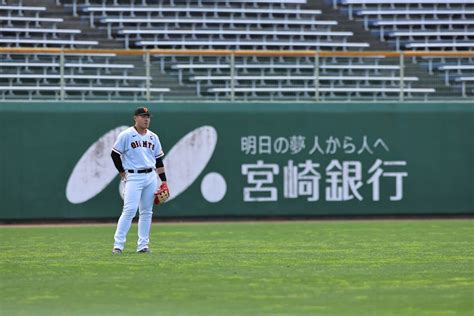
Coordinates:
346 25
53 10
361 35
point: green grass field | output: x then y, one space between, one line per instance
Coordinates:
408 267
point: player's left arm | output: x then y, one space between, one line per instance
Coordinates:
159 154
162 193
160 169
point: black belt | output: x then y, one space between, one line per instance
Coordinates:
141 171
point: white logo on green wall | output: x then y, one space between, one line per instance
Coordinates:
184 163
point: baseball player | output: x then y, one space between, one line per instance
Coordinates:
137 155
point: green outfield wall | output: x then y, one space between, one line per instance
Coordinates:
256 159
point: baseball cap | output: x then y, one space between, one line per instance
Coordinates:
142 111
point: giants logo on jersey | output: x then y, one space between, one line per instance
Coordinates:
137 144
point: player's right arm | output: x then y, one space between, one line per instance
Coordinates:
118 163
117 150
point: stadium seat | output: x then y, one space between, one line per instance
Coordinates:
84 76
428 25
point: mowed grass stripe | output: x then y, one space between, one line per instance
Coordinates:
259 268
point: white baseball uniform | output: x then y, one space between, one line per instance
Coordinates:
138 154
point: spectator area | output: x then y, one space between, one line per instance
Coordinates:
236 25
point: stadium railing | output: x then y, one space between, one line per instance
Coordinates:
240 75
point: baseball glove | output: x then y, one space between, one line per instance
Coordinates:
162 194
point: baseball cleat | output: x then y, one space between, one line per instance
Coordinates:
144 250
117 251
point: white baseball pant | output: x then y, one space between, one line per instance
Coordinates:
138 194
